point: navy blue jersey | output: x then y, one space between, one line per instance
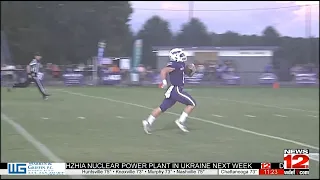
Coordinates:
177 75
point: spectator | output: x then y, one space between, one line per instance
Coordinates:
99 69
149 74
268 68
200 68
68 69
309 67
55 71
48 68
81 67
142 72
141 68
115 68
212 66
296 69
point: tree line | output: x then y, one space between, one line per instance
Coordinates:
68 32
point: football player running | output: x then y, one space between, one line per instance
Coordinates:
176 68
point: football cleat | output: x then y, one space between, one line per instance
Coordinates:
146 126
181 126
45 97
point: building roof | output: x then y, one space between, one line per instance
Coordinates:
225 48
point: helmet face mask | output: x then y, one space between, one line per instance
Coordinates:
183 57
178 55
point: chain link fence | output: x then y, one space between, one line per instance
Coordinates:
73 75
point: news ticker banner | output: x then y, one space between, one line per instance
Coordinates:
145 168
295 162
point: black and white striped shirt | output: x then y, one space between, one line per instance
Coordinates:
34 66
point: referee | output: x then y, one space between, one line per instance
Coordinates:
32 70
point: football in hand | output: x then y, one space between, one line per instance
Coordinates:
190 69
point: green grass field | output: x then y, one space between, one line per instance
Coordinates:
97 124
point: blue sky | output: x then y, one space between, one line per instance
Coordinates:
288 21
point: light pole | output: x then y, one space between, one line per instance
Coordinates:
308 31
191 3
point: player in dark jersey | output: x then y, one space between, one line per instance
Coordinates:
33 70
176 70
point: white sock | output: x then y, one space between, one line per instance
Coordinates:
151 119
183 117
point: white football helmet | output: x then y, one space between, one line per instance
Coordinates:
178 55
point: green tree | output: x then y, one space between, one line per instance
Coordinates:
314 51
155 32
271 37
229 39
193 33
251 40
22 24
84 24
65 31
128 45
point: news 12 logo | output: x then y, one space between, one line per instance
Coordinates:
17 168
265 165
296 158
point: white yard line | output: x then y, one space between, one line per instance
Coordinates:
314 156
258 104
200 119
279 115
216 115
44 118
251 116
37 144
120 117
80 117
313 116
